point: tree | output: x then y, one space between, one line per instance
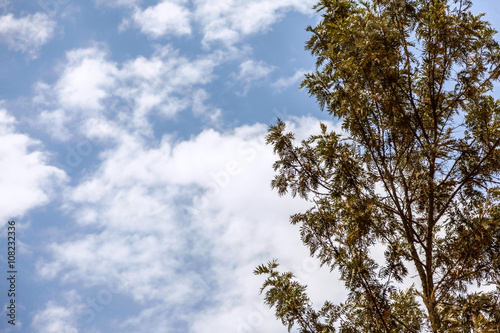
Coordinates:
416 170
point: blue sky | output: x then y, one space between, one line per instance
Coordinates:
132 159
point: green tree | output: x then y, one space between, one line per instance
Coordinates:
416 170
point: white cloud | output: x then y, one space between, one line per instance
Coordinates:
229 21
90 86
285 82
119 3
171 250
167 17
221 21
251 71
86 79
26 34
164 81
57 317
249 225
27 181
57 121
200 108
154 320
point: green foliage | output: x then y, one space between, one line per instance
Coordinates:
417 171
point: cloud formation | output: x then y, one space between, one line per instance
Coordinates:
91 86
119 3
167 17
219 22
182 223
26 34
169 219
252 71
28 181
230 21
286 82
59 317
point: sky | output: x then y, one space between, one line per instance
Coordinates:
133 161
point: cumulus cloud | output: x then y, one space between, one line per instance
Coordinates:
86 79
201 108
183 223
26 34
59 317
251 71
221 22
285 82
86 83
164 81
167 17
179 224
228 22
119 3
91 86
27 181
57 121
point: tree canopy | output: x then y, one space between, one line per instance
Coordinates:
416 170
